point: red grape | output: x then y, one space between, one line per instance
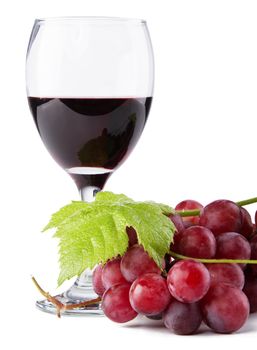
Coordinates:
182 318
149 294
247 225
226 273
250 289
188 281
116 305
97 280
253 244
221 294
136 262
232 245
221 216
197 242
111 273
189 204
225 308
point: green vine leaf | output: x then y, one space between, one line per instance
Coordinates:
92 233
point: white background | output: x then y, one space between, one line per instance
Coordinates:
200 142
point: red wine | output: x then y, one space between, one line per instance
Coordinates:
90 136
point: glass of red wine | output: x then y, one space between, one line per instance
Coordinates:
89 85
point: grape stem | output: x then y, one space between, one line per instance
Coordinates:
213 261
247 201
196 212
61 307
184 213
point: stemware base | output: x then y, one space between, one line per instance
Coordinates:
80 291
46 306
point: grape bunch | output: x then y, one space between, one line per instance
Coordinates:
188 289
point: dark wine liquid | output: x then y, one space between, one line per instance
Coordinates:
84 133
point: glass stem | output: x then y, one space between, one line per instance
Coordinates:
84 281
88 193
88 185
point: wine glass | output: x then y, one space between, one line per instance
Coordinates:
89 86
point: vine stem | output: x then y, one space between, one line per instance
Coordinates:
196 212
213 261
61 307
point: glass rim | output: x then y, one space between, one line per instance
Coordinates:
97 19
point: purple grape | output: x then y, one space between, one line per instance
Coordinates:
247 225
250 289
221 216
226 273
132 235
253 244
225 308
169 262
157 317
255 224
178 222
232 245
197 242
182 318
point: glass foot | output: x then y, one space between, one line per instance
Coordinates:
80 291
46 306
